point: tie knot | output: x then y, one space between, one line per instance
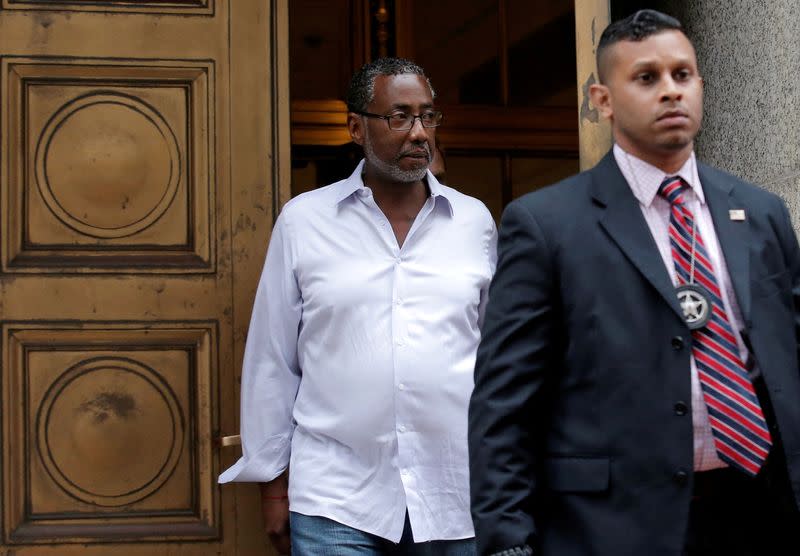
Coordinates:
672 189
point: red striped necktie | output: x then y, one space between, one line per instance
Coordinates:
737 423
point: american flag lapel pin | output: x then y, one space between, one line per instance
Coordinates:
737 215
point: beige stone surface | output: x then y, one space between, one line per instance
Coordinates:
747 51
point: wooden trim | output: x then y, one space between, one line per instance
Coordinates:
404 21
502 50
381 20
507 192
281 113
319 122
361 33
546 129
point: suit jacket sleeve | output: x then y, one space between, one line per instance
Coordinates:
791 251
514 364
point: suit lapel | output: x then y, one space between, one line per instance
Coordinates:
732 235
625 223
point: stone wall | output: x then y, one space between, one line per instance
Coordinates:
748 55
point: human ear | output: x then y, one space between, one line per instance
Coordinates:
355 125
601 99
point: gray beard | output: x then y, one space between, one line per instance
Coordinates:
392 170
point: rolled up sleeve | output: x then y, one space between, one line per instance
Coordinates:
270 372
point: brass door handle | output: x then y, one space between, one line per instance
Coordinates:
233 440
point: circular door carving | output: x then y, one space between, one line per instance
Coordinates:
107 165
110 431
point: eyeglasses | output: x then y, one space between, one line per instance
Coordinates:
403 122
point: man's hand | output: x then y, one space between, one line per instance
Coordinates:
275 507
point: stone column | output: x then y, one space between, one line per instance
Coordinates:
591 17
748 52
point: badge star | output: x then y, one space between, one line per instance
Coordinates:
691 307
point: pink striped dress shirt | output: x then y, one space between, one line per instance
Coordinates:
644 180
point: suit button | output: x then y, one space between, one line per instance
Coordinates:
677 343
681 478
681 408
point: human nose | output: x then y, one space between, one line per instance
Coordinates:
417 130
672 90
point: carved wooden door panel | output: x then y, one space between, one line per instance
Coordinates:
139 142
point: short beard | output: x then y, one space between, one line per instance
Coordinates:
391 169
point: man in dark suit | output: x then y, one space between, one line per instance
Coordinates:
637 388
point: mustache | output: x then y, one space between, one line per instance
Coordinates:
415 150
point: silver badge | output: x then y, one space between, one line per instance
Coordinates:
695 304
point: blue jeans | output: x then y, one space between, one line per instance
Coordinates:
320 536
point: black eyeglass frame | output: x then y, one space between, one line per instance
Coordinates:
438 117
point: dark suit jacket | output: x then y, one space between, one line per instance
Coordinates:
580 437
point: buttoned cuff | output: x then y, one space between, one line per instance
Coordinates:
516 551
269 462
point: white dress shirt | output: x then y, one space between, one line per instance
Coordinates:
359 359
644 180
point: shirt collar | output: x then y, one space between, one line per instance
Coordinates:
347 187
355 182
440 191
644 179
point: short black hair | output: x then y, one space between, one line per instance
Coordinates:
362 86
636 27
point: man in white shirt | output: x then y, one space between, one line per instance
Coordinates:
361 348
637 383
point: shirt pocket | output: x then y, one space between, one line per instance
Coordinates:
577 474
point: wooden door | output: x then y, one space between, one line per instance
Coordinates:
142 151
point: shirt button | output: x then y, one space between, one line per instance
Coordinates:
681 408
677 343
681 477
398 260
398 301
398 343
404 472
401 428
401 386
